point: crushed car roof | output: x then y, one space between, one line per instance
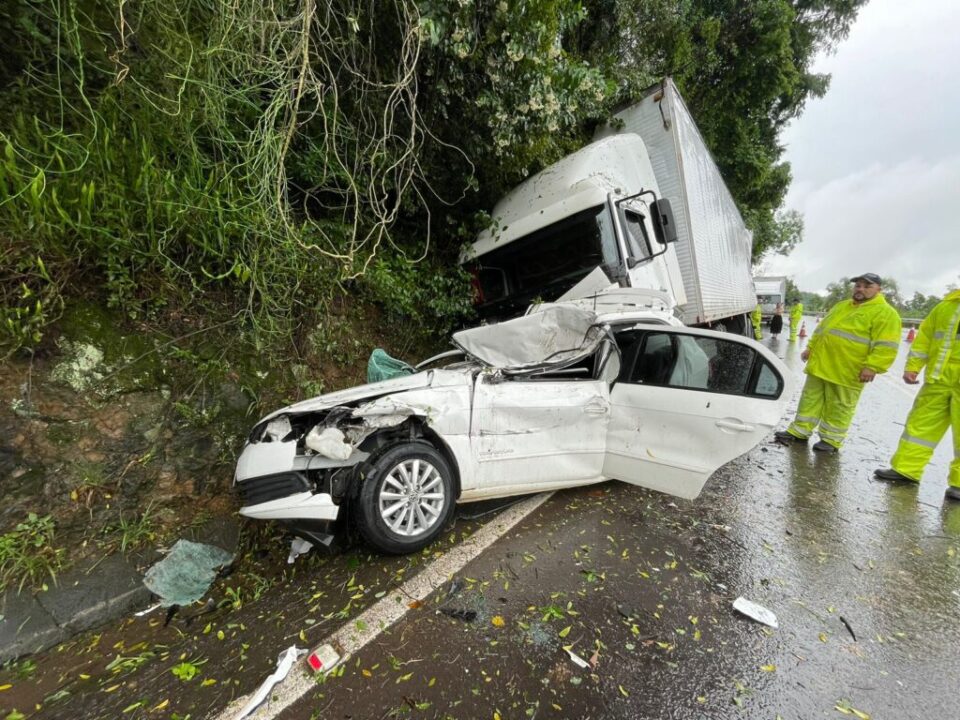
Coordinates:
556 335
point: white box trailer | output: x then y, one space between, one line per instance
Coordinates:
714 245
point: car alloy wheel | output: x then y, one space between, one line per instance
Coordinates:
406 498
412 498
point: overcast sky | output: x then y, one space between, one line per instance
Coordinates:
876 162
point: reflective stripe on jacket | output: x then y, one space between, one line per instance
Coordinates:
937 343
852 337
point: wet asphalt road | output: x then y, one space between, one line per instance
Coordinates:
864 579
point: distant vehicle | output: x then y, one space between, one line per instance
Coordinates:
770 292
607 386
645 203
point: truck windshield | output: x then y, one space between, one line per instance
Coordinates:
544 264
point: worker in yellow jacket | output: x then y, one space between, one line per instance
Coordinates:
857 340
935 351
796 317
756 317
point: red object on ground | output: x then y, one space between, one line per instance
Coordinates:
323 659
803 329
911 335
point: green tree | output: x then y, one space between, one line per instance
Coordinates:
793 292
744 68
842 289
255 156
920 305
812 302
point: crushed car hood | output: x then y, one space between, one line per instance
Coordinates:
363 392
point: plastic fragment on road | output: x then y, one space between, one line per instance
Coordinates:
284 662
147 611
576 658
381 366
186 573
298 547
755 612
323 659
329 442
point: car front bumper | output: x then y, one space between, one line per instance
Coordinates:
298 506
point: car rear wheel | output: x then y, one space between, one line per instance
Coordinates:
406 498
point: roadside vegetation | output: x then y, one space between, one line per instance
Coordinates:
247 162
29 554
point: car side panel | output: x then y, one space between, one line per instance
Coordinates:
538 433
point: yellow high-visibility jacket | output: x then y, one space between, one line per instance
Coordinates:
756 316
796 312
937 343
852 337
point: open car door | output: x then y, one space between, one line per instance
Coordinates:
688 401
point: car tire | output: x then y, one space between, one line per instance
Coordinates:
406 498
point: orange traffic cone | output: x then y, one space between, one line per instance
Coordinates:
911 335
803 330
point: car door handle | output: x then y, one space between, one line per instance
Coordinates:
596 409
736 426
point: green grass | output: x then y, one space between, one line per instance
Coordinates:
135 532
28 555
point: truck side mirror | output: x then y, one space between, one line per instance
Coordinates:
663 225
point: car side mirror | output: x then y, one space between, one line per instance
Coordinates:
664 227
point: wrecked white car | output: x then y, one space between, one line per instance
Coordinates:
570 394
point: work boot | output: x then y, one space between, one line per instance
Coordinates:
890 475
952 493
786 438
824 447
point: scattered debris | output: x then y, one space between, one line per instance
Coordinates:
579 661
323 659
625 612
186 573
298 547
456 585
171 611
755 612
284 663
849 629
208 607
457 613
148 610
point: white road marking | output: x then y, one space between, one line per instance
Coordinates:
380 616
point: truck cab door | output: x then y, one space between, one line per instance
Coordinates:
688 401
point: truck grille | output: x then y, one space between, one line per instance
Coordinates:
271 487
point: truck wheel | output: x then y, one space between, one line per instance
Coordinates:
738 325
406 498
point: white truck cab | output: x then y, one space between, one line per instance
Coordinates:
594 208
